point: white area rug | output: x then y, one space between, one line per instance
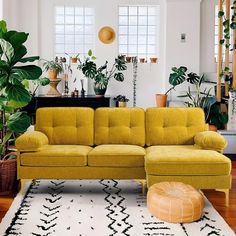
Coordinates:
97 208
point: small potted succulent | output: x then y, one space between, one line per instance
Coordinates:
121 100
73 58
53 67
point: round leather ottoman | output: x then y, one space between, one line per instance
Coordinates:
175 202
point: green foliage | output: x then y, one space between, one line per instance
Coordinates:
14 92
178 76
216 117
53 65
101 75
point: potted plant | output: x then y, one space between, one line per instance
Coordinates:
53 67
73 58
121 100
178 76
13 96
102 75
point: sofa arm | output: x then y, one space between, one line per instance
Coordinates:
31 141
210 140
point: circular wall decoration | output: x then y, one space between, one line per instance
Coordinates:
106 35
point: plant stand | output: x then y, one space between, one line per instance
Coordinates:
53 92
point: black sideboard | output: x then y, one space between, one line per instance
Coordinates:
87 101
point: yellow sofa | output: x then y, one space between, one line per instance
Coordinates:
161 144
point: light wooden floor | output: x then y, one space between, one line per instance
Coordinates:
216 198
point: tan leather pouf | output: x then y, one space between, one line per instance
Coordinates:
175 202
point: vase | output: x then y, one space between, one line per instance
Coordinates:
122 104
99 92
161 100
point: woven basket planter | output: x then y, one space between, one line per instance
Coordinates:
7 176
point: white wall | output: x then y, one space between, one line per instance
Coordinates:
177 16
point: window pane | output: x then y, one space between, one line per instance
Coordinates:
123 20
69 29
151 40
79 20
60 29
69 10
132 39
79 39
133 30
151 30
89 11
133 11
152 11
60 19
59 48
60 38
123 30
123 10
142 30
141 49
142 39
142 20
69 19
79 29
132 49
79 11
69 39
123 49
88 29
69 48
142 11
88 39
151 20
133 20
123 39
89 20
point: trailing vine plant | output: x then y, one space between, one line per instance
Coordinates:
228 24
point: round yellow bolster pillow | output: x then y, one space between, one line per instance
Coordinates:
175 202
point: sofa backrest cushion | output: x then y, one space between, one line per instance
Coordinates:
66 125
173 126
120 126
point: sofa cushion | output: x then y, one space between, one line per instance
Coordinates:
185 160
120 126
56 155
117 156
66 125
173 126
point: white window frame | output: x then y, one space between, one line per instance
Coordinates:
85 46
146 54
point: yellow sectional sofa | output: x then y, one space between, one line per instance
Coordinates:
161 144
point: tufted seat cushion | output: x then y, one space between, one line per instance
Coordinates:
57 155
117 156
120 126
185 160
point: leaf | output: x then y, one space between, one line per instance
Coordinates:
29 59
93 58
119 76
43 81
89 69
18 122
233 25
3 28
17 93
222 41
220 14
7 49
193 78
17 104
3 79
20 53
30 72
90 52
6 137
16 39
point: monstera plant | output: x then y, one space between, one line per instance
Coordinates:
14 78
102 75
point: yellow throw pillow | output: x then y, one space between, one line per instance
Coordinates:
210 140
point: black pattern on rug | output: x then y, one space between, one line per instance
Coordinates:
101 208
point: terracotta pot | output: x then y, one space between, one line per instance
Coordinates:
161 100
52 74
74 59
153 59
128 59
122 104
212 128
142 60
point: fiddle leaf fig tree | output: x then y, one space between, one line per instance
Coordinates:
13 76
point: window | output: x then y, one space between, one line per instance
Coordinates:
216 34
74 30
138 30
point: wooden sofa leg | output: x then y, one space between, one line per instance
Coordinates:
143 182
226 191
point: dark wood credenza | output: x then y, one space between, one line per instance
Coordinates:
87 101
